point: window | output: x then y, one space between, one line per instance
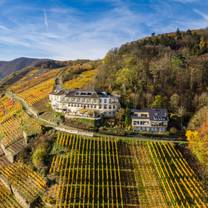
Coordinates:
144 115
100 106
110 107
136 123
144 122
105 106
105 100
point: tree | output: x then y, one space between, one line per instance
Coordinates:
58 117
178 34
181 113
153 34
158 102
188 32
203 99
174 102
120 116
202 45
38 157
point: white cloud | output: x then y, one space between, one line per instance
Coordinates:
203 15
2 27
66 33
186 1
45 18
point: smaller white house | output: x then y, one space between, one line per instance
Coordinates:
84 102
150 120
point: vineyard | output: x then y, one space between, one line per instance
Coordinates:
11 129
38 92
28 183
8 108
35 86
7 199
107 172
33 78
80 81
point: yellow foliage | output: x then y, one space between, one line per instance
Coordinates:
8 107
81 81
192 135
32 79
38 92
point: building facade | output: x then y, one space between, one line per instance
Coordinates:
88 103
150 120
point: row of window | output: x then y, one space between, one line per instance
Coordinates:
150 129
141 123
92 106
89 100
83 100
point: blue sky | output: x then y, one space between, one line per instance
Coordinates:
72 29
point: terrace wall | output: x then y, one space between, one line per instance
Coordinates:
22 201
6 183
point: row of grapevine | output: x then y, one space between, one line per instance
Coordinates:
28 183
108 172
6 198
33 78
151 194
90 174
178 180
11 129
80 82
38 92
8 107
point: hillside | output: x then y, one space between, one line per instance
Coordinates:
168 70
43 165
8 67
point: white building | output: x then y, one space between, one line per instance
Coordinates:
84 102
150 120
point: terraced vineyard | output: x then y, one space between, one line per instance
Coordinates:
7 199
33 78
81 81
8 108
20 186
108 172
38 92
11 129
23 179
35 86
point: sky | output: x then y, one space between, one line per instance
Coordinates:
77 29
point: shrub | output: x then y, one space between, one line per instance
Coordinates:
38 157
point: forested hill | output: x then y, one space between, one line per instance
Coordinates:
168 70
